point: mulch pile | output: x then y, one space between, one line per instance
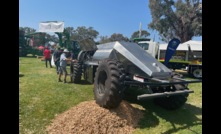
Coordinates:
89 118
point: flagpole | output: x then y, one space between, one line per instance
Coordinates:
140 30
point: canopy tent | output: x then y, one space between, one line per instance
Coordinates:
194 45
40 47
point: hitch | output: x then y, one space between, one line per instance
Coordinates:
164 94
160 83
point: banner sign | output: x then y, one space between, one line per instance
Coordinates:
171 48
52 26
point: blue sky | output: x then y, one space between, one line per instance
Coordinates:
105 16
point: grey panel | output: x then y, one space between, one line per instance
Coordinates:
142 59
102 54
135 58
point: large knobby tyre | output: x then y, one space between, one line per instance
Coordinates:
76 72
173 102
107 87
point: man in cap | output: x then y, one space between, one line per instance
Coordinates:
63 65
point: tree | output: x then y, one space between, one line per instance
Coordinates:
27 30
78 34
104 39
39 38
113 37
67 36
68 31
144 33
24 35
83 33
53 38
181 19
21 38
118 37
22 43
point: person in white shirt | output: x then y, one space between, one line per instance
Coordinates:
63 65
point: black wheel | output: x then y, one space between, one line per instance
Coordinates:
173 102
107 87
81 56
197 73
76 72
122 78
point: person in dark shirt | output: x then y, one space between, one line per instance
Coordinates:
56 57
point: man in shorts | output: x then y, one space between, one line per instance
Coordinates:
63 65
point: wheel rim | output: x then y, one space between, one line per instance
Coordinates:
197 73
101 83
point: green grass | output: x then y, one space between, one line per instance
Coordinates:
41 97
176 61
186 120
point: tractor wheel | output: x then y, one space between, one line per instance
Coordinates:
197 73
107 87
173 102
76 72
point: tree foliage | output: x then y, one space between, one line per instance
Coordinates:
118 37
67 37
180 18
104 39
27 30
53 38
113 37
144 33
24 48
40 40
30 33
82 32
70 34
21 37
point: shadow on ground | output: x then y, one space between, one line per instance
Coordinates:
186 116
21 75
82 82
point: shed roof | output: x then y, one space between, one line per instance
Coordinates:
194 45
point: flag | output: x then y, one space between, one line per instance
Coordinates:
171 48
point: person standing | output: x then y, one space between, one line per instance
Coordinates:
47 56
56 57
63 65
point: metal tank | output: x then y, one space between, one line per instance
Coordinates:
134 58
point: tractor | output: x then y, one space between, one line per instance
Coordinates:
113 67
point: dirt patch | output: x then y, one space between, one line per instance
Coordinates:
89 118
